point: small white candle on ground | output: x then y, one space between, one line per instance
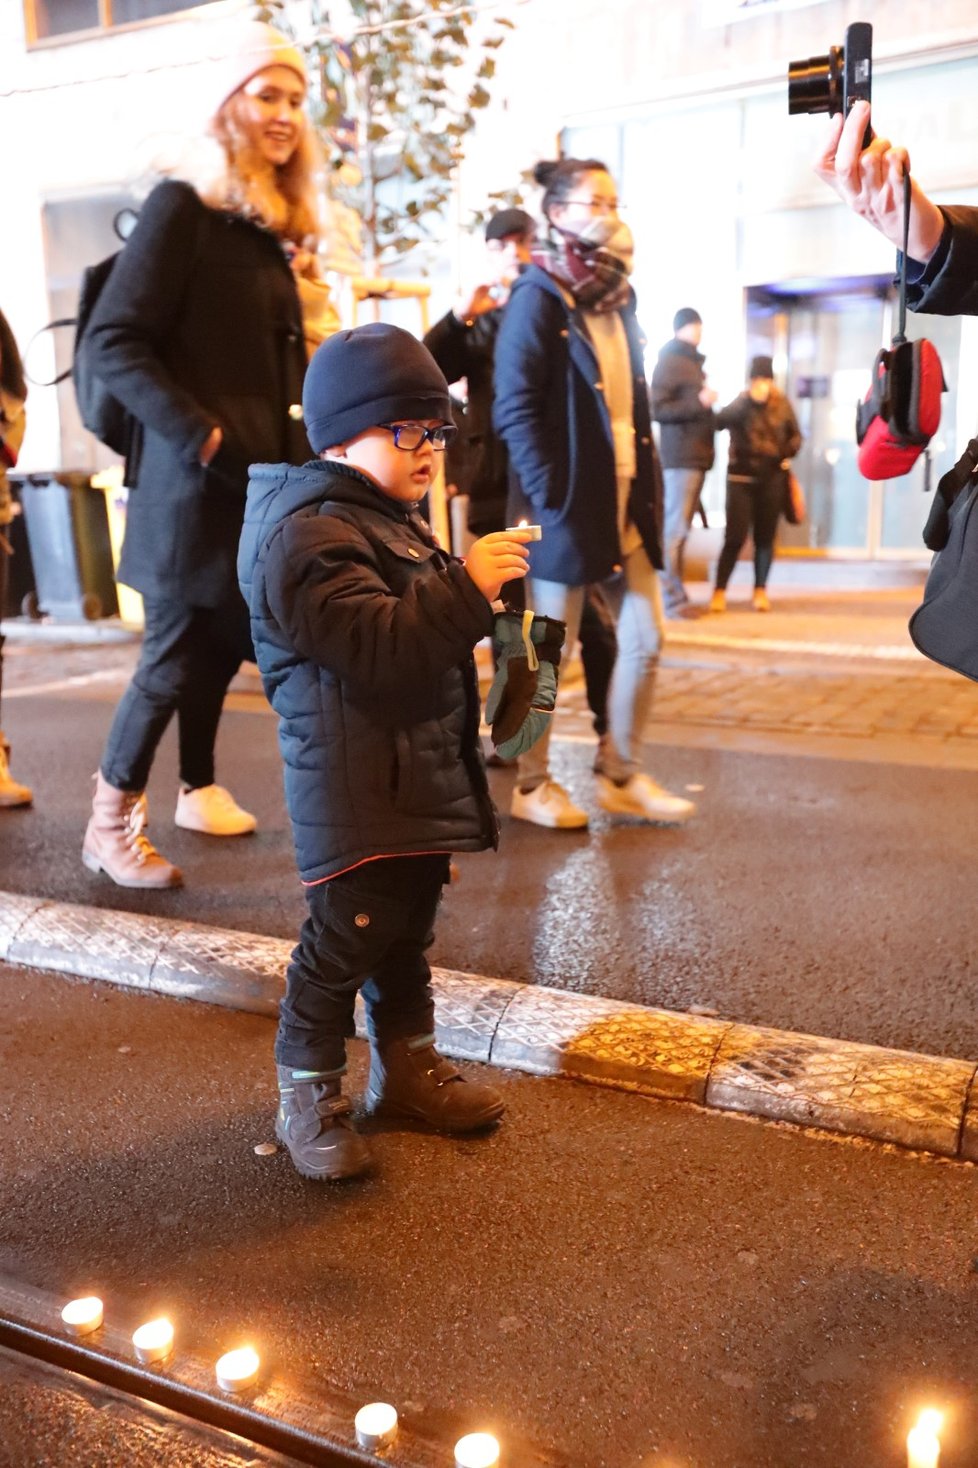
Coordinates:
478 1450
237 1369
376 1425
534 531
153 1341
83 1316
923 1443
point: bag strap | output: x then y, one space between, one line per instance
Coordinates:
901 335
51 326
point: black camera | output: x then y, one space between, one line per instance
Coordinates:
832 83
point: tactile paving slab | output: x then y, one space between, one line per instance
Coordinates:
863 1090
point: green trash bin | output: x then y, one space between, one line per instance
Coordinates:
71 553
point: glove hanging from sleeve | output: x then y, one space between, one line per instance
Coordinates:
524 691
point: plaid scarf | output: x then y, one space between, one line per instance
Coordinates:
597 279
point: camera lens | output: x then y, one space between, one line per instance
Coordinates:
815 84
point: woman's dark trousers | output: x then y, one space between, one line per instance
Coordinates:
754 507
368 929
189 656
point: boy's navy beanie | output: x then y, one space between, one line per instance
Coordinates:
361 378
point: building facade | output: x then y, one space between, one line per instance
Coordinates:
686 102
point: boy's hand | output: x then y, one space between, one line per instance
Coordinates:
496 559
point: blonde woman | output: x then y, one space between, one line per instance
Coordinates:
199 332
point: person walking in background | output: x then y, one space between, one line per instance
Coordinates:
463 343
682 404
764 438
571 403
365 631
13 395
199 332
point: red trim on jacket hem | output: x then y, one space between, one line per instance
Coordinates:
384 856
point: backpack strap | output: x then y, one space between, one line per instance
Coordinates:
63 321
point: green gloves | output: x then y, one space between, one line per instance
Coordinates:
524 690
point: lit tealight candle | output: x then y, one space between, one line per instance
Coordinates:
237 1369
153 1341
376 1425
923 1443
534 531
478 1450
83 1316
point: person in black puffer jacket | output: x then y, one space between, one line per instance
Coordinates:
764 437
364 630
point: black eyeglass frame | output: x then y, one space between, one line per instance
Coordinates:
439 437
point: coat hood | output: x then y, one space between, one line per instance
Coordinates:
278 491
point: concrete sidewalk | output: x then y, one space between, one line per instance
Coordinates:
922 1101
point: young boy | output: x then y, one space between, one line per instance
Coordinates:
364 632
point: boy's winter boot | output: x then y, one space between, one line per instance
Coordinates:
11 792
115 842
313 1122
408 1078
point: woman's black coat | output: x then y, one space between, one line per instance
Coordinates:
551 412
198 325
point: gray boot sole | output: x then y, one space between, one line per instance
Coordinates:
337 1174
376 1105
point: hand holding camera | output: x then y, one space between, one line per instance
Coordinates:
866 172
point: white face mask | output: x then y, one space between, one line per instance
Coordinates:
611 233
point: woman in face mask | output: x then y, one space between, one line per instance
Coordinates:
571 404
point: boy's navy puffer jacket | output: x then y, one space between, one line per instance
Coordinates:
364 631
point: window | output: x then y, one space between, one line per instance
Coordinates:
50 18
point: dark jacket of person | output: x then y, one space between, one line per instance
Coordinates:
364 632
551 413
948 284
686 433
761 434
198 324
469 352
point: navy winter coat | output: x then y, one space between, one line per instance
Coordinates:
198 324
364 631
550 410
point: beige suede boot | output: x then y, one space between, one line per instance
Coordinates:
115 844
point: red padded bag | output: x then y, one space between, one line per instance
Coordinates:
902 409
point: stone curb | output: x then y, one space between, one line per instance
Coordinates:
926 1102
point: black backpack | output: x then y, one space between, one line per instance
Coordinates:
101 413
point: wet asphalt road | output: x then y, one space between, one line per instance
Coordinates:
637 1284
812 894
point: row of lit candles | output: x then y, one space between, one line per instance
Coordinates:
375 1425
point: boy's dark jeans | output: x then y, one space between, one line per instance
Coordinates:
367 929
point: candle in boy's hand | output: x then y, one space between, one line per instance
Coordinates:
534 531
923 1444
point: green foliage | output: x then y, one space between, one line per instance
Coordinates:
411 93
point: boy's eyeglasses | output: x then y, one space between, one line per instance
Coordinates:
410 436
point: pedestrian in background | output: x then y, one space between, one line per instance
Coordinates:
13 395
572 406
463 343
199 332
764 438
365 631
682 404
